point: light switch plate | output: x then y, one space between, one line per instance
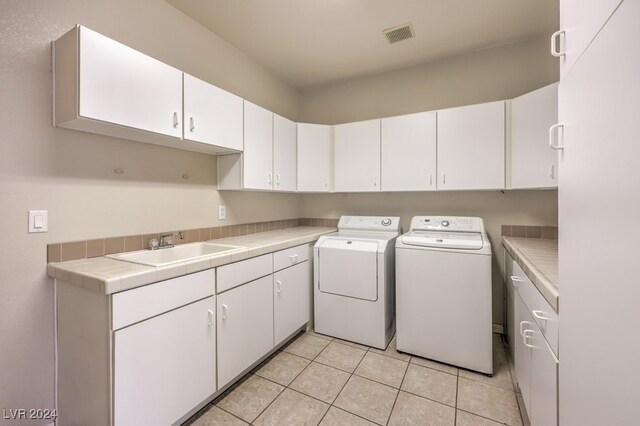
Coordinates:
222 212
38 221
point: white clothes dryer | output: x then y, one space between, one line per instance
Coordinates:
354 279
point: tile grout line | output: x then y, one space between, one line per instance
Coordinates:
455 412
398 394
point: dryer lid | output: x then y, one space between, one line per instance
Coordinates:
444 240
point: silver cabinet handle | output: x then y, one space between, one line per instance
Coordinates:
278 179
552 171
525 336
225 311
522 324
176 122
540 315
375 181
554 43
515 280
552 139
430 179
209 317
278 286
192 124
444 178
269 178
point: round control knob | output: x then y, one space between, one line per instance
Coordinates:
445 223
386 222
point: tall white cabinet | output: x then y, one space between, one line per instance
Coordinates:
409 152
357 156
471 146
257 164
599 100
533 163
284 154
315 158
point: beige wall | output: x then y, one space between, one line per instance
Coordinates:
70 173
493 74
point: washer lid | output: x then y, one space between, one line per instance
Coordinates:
444 240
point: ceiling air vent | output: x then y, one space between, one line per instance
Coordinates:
399 33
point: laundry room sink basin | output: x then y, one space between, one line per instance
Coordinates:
181 253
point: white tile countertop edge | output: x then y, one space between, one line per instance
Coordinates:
107 276
538 258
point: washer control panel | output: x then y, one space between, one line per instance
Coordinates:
447 223
369 223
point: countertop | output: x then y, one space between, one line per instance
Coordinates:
538 258
107 276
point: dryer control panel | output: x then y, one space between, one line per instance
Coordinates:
447 224
369 223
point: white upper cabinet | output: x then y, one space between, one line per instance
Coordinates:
580 21
314 158
105 87
284 154
409 152
533 163
357 156
258 150
211 115
471 143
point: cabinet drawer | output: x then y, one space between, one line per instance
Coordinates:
289 257
544 315
141 303
237 273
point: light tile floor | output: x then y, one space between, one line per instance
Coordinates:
316 379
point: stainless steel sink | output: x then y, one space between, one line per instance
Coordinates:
175 254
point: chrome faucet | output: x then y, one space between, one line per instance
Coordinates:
165 241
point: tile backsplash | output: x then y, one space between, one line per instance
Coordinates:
61 252
546 232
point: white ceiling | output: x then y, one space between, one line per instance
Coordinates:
312 42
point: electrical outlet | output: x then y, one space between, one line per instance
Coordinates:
222 212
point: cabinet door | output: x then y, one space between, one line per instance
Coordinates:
599 174
533 163
284 153
165 366
290 300
357 156
122 86
471 147
409 152
510 321
544 383
258 149
314 158
581 19
522 352
245 327
212 115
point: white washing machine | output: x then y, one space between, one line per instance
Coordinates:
354 277
443 291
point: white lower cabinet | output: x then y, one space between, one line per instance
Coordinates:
536 364
245 327
291 287
165 366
